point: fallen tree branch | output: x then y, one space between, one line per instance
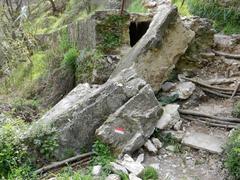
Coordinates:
207 85
59 164
210 120
209 123
222 81
227 55
216 93
194 113
235 91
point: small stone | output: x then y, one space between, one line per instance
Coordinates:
171 148
133 177
170 117
150 147
113 177
184 90
167 86
97 170
158 144
117 167
178 126
132 166
140 158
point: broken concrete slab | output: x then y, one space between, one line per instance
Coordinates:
170 117
132 124
156 53
82 111
204 141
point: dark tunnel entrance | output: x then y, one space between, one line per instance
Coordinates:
137 30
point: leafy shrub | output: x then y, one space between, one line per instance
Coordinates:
70 58
236 110
13 153
17 142
149 173
42 141
232 151
103 156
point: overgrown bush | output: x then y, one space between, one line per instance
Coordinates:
232 152
103 156
13 153
70 58
21 149
236 110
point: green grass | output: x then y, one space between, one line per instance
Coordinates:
232 153
136 7
182 7
226 19
149 173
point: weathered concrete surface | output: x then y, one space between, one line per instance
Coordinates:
205 142
78 115
129 127
159 49
86 108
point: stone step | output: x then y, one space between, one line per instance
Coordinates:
203 141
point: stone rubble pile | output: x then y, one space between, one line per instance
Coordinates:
124 112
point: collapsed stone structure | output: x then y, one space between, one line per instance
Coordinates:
124 111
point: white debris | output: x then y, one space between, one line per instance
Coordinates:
133 177
178 126
132 166
113 177
97 170
170 116
117 167
140 158
171 148
158 144
150 147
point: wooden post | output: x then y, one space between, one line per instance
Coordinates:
122 6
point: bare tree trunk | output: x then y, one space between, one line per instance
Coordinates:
122 6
